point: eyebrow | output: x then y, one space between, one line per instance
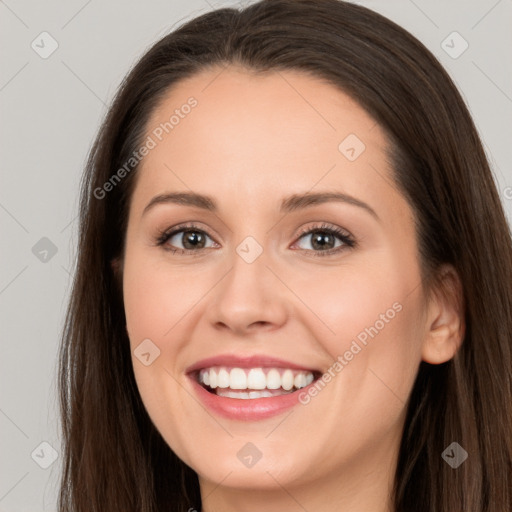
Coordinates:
288 205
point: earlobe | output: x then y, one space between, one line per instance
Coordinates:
440 346
445 326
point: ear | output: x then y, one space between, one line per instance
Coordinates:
445 326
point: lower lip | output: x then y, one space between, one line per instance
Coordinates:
250 409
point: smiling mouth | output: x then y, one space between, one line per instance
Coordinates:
253 383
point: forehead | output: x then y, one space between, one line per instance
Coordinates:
248 135
279 109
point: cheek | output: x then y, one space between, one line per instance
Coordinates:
375 351
156 298
348 300
367 317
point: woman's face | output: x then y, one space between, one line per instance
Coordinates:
267 295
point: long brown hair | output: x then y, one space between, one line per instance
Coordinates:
114 458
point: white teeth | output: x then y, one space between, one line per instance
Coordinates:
244 395
247 395
223 378
260 394
257 380
273 379
237 379
299 381
212 378
287 380
234 394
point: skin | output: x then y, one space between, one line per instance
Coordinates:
251 141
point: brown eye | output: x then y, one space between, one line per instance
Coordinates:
193 240
184 238
323 240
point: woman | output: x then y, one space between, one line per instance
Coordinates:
210 360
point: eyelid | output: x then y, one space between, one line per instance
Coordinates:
347 239
325 226
164 235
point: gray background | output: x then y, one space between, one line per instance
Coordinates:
51 109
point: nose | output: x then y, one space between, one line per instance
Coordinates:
248 299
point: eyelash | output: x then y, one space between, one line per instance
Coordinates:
348 241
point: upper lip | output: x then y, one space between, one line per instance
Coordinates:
247 361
